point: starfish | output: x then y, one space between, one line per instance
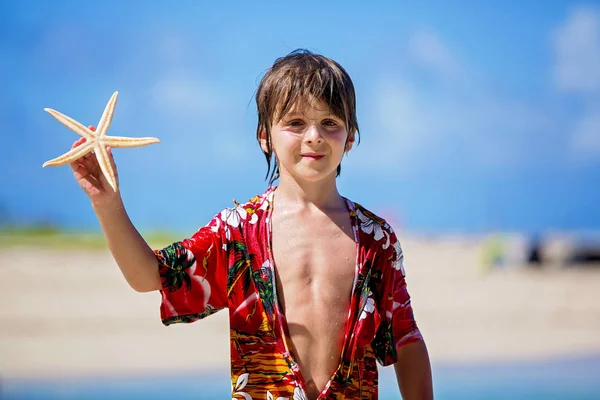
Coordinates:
96 141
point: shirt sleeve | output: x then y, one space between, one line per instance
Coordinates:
397 327
193 275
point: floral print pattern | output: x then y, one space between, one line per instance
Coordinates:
228 264
369 307
236 390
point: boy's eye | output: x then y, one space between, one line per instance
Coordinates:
329 122
295 123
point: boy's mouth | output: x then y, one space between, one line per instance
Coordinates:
313 156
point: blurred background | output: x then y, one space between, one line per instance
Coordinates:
480 143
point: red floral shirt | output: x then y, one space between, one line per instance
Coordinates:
228 264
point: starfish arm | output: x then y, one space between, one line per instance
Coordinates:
125 142
107 116
105 166
70 123
71 155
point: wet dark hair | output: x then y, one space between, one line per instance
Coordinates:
299 80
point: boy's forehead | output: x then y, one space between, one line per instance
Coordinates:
304 106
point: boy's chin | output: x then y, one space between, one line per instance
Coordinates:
313 176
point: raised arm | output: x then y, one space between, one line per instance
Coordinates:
136 260
134 257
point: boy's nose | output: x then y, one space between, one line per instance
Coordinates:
313 134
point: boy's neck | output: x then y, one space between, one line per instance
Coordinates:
306 195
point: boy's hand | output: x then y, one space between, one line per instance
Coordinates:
88 174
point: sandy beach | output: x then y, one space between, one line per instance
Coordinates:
67 313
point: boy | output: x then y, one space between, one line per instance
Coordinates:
313 282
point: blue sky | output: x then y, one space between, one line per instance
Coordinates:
473 118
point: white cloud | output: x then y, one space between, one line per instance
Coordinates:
402 119
180 94
486 130
461 122
576 70
194 108
586 135
576 44
428 50
402 131
468 123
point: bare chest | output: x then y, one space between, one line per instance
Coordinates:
315 260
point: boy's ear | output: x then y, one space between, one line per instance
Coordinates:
350 142
263 141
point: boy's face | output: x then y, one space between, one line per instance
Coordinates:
309 144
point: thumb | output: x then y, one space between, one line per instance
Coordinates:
92 128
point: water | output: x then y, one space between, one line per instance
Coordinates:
566 379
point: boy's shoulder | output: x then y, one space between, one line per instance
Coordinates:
258 201
381 235
375 226
366 216
249 211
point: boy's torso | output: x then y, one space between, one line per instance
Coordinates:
337 305
314 256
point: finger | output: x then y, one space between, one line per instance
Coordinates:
78 142
85 162
92 128
79 163
79 168
76 163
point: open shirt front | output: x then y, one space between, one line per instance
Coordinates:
228 264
